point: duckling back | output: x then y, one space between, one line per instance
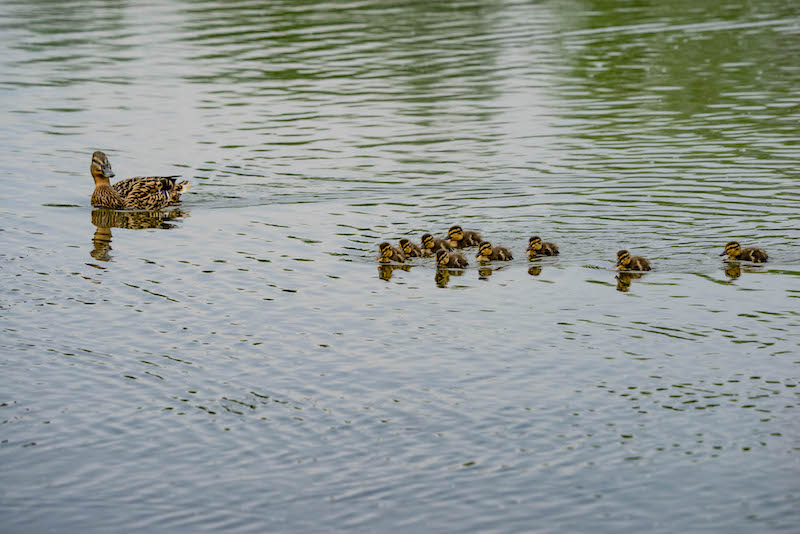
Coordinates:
753 254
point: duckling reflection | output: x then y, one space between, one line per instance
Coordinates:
624 280
734 269
535 270
484 273
386 271
105 220
442 276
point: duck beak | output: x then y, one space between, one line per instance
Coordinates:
618 265
724 254
107 172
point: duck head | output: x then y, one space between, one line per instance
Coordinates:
484 250
732 249
623 259
455 234
100 167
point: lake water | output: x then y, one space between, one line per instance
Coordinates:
242 364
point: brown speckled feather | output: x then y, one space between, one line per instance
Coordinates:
638 264
457 260
548 249
756 255
498 254
410 249
471 239
149 192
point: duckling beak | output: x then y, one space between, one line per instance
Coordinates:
107 172
618 265
724 254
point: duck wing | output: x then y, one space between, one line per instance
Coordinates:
146 192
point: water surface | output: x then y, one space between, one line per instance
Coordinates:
243 364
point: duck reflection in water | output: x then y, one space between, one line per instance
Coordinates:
385 271
535 270
442 276
105 220
624 280
734 270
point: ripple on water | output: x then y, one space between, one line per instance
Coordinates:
252 333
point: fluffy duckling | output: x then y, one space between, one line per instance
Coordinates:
538 247
626 262
486 252
139 193
430 245
387 254
734 251
410 250
460 239
450 260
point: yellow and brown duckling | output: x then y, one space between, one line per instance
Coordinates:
537 247
626 262
139 193
410 250
450 260
486 252
734 251
388 254
459 238
430 245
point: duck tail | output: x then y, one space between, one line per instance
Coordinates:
177 191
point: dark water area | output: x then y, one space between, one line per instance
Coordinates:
242 363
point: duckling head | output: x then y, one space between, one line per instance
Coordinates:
405 244
442 258
100 168
455 234
535 243
623 258
732 249
484 249
385 251
428 242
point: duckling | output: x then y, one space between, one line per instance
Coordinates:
461 239
536 247
734 251
410 249
626 262
486 252
450 260
430 245
389 254
139 193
